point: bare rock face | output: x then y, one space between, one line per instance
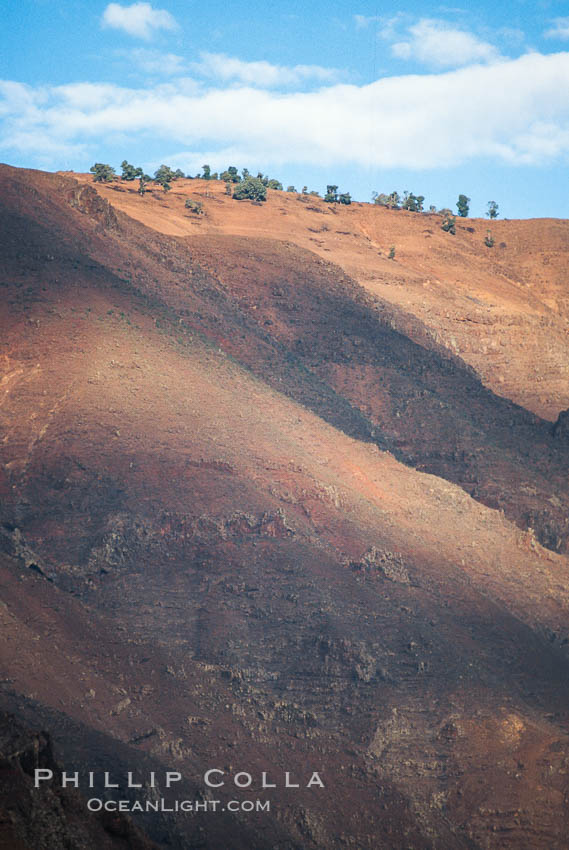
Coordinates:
49 818
388 564
87 201
561 427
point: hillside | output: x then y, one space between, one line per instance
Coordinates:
272 501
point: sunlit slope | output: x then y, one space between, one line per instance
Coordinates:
303 326
504 310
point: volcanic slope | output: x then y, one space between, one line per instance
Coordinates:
419 400
504 309
211 560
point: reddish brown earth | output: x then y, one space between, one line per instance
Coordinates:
273 502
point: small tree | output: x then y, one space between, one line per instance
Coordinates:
251 189
129 172
492 211
391 254
462 205
290 189
230 175
413 203
142 181
206 173
164 176
331 196
274 184
165 173
103 173
393 201
489 239
228 187
345 198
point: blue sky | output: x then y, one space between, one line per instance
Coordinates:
435 99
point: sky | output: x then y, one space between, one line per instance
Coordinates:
433 99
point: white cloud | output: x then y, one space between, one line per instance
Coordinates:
439 45
262 74
512 111
363 21
155 62
560 29
139 20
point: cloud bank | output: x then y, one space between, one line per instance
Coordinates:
512 111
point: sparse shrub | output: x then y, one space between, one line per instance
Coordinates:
345 198
391 254
492 211
462 205
489 240
103 173
313 193
448 223
432 208
290 189
195 207
251 189
227 187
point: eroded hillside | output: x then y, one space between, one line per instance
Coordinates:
503 310
221 542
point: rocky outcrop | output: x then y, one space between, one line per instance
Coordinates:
50 817
560 429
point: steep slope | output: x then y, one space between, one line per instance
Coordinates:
210 562
310 331
503 310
